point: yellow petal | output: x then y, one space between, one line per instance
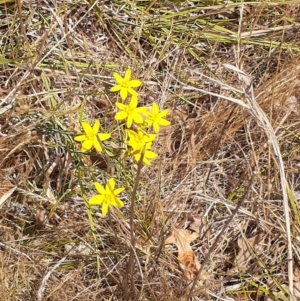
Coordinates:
123 93
121 106
137 157
86 145
131 134
96 200
150 155
134 101
104 136
80 138
163 113
150 137
110 186
129 121
146 162
96 126
155 108
104 208
132 92
155 127
138 118
87 128
135 83
121 115
143 110
148 122
100 188
115 88
127 74
118 78
118 202
118 190
135 146
164 122
97 146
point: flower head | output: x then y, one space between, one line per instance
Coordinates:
137 139
91 137
107 196
125 85
148 153
130 111
155 117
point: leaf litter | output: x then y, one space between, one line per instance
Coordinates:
187 259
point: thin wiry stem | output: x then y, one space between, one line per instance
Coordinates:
131 262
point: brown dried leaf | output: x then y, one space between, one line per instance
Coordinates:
247 247
186 256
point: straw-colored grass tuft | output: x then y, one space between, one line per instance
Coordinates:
228 166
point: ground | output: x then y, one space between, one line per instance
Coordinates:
215 216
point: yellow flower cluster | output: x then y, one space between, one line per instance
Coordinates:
137 120
138 139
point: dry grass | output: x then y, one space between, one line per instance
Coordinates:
216 162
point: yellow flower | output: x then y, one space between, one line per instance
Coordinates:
138 139
155 118
91 138
130 111
148 154
125 85
107 196
141 142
